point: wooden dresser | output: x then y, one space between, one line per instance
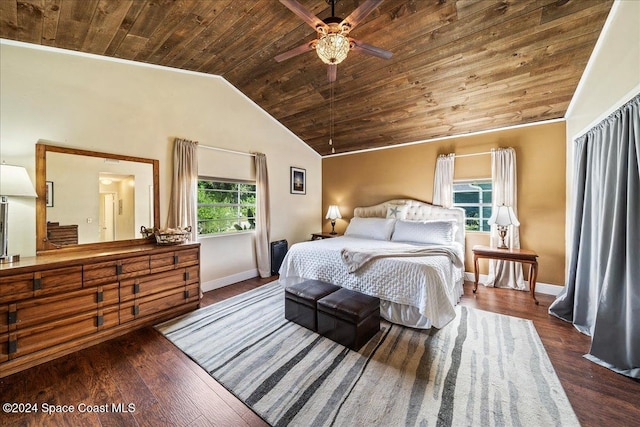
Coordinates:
52 305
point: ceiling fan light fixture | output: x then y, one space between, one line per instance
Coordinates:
332 48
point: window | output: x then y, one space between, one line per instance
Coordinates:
475 198
225 206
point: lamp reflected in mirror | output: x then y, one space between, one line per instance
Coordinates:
14 182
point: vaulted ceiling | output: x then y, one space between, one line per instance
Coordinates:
458 66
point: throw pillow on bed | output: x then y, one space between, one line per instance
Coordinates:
370 228
435 232
397 211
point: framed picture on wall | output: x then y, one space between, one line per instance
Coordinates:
298 181
49 194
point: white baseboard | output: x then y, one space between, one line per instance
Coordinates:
229 280
543 288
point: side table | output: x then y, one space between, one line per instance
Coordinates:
519 255
320 236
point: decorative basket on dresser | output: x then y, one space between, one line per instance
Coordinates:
55 304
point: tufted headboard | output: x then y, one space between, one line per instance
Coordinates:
417 211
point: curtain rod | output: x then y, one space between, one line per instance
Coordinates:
473 154
227 150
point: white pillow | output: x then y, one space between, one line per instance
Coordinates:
436 232
397 211
370 228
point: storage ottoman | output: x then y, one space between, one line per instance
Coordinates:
349 317
300 301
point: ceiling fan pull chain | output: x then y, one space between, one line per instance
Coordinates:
333 150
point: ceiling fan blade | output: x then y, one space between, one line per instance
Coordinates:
296 51
359 46
303 13
332 72
361 12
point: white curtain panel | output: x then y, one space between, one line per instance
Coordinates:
262 216
443 181
183 205
602 294
505 274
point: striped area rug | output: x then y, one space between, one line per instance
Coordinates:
482 369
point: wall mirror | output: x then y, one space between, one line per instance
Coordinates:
91 198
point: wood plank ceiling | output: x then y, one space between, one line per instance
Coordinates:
458 66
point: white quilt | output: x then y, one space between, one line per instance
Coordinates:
428 283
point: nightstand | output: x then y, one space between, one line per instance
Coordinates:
517 255
320 236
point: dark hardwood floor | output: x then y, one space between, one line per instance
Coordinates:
166 388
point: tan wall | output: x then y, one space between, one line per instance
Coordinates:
372 177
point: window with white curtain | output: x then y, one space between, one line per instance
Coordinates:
474 196
225 206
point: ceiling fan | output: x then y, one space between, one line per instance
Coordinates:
333 42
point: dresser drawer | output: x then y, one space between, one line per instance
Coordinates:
176 259
112 271
187 257
42 336
16 287
192 274
100 272
23 286
152 304
47 309
135 266
155 283
58 280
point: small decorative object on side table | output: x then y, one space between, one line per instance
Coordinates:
517 255
320 236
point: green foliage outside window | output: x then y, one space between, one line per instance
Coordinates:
475 198
225 207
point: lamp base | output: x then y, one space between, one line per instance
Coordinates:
502 232
333 227
9 259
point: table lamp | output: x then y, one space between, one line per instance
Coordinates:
14 182
503 216
333 213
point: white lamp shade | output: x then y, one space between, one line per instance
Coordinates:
333 212
503 215
14 181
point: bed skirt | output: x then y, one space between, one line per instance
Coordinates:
410 316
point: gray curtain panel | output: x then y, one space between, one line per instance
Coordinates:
602 294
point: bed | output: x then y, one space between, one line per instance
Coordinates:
406 252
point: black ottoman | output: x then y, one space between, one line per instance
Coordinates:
349 317
300 301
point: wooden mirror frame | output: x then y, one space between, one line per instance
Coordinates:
42 244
